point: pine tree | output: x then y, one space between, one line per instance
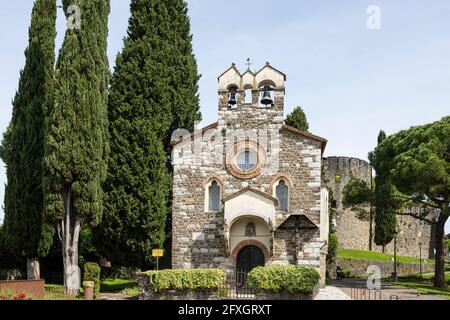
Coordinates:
153 92
416 162
76 144
25 231
298 120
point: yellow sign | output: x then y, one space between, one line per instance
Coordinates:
157 253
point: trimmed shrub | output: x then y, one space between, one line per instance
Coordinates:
279 278
92 273
186 279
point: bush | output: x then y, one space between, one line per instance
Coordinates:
278 278
92 273
124 273
186 279
347 273
333 244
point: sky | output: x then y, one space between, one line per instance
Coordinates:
351 80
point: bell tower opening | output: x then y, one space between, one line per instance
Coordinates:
241 94
267 99
232 96
248 95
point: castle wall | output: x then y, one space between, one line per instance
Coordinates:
352 231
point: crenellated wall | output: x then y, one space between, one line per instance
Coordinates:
353 231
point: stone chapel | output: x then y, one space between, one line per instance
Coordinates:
247 189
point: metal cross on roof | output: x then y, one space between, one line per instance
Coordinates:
249 64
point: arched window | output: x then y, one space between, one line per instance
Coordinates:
282 193
248 96
214 196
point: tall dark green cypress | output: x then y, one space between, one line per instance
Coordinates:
76 144
153 92
25 231
385 204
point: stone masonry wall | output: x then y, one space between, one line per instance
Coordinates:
198 236
359 267
353 232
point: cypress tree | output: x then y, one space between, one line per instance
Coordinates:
25 231
76 144
298 120
385 204
153 92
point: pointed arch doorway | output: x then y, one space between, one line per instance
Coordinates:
248 258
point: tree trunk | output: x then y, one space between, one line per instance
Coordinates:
371 212
371 228
439 271
33 269
70 231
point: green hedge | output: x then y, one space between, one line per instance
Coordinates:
278 278
184 279
92 273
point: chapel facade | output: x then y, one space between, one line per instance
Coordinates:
247 189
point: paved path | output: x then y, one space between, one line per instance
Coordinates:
387 291
115 296
331 293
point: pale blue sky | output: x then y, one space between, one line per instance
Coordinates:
351 81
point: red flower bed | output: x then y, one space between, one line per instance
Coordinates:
20 296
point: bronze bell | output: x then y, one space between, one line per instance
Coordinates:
232 101
266 99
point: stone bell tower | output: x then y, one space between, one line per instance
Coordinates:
251 100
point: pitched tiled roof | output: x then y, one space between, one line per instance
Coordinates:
307 135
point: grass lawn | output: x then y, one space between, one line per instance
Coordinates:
376 256
113 285
127 287
424 284
56 292
131 292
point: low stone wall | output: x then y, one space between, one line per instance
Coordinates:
359 267
35 288
267 295
205 294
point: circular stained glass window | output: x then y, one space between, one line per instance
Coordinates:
247 160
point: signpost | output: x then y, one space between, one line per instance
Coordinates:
157 253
